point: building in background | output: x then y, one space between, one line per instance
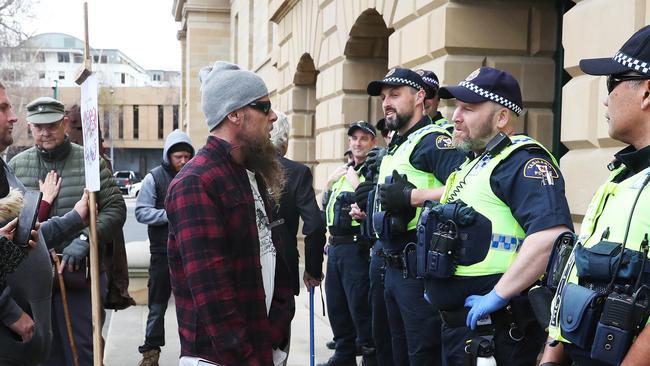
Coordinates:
137 107
317 56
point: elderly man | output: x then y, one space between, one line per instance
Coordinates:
26 300
150 210
232 286
298 201
55 152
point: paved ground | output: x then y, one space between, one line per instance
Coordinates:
124 330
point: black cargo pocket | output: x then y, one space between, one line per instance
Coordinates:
579 314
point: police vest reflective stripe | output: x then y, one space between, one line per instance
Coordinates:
609 210
339 187
471 184
399 159
444 124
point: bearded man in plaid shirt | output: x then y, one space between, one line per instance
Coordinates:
234 300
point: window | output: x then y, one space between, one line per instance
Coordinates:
61 75
136 122
175 116
77 59
156 77
123 78
103 59
106 124
161 122
95 59
41 75
120 124
63 56
40 57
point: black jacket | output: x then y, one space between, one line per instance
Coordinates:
298 200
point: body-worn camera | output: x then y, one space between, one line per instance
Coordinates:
342 208
560 254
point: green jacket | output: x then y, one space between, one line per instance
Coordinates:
68 161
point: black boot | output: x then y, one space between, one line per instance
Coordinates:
330 345
369 356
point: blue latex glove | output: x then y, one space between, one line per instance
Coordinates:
481 306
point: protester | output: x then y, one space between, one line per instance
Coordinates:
53 151
150 210
230 280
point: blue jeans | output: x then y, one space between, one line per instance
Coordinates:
410 314
346 286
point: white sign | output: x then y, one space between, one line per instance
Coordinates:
89 123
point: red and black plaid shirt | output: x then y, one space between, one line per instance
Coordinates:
214 260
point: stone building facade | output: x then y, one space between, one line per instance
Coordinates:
317 57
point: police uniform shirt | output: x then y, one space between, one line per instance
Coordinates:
634 160
535 195
434 154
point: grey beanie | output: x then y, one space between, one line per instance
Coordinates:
225 88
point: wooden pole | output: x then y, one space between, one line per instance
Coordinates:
66 310
94 283
95 297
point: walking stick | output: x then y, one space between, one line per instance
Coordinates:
311 327
66 311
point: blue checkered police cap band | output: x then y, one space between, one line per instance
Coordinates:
396 77
487 84
634 56
491 96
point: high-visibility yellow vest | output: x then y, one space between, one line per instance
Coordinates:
471 184
609 211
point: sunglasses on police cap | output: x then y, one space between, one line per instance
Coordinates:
614 80
262 106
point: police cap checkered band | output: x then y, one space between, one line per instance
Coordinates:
492 96
634 56
431 81
363 126
396 77
487 84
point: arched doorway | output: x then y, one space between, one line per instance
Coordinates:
301 112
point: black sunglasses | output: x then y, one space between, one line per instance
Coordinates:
614 80
264 107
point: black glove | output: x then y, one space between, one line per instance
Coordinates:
396 196
361 194
374 158
75 252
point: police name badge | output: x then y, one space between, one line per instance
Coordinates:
538 168
444 142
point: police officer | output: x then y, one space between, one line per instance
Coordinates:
616 221
420 157
432 100
514 186
347 280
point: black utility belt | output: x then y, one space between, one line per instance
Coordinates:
516 315
403 261
347 239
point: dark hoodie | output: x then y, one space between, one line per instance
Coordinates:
150 206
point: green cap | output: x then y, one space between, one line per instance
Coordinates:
45 110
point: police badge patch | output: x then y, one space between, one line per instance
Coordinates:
444 142
473 75
538 168
389 73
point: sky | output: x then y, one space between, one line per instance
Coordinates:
144 30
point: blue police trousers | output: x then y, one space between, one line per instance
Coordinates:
410 314
346 286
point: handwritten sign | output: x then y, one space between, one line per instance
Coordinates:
89 124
